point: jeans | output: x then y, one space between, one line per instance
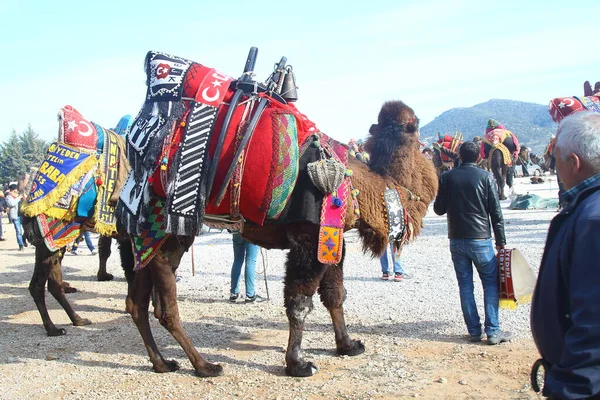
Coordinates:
19 231
241 248
465 253
385 262
1 229
88 241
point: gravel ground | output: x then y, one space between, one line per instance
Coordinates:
413 330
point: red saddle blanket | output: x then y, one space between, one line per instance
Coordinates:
268 168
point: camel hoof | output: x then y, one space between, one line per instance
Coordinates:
105 277
56 332
166 366
210 370
70 289
355 349
301 370
82 322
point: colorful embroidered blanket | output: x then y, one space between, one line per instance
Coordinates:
333 212
562 107
77 181
58 233
152 235
447 142
63 167
169 138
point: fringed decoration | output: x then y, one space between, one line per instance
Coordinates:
32 209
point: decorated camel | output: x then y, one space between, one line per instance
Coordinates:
75 188
206 148
445 151
523 159
562 107
500 147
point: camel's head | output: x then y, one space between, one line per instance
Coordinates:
398 123
397 132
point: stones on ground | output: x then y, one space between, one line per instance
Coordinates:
462 382
442 380
51 357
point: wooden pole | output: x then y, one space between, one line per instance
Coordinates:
193 261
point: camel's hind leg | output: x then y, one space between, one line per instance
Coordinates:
167 313
138 302
333 294
104 250
303 275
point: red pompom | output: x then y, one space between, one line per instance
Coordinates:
99 182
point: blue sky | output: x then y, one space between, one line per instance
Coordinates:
349 57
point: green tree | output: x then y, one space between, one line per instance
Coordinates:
34 148
12 163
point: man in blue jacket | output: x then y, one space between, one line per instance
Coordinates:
565 314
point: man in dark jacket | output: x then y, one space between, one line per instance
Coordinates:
565 314
469 196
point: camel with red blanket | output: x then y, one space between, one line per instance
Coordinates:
501 148
236 153
445 151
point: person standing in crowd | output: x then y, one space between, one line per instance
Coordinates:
565 313
88 242
399 274
2 210
242 249
469 197
12 201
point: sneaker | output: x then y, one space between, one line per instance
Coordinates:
398 277
74 252
254 299
94 252
2 239
233 297
475 338
385 277
500 337
20 248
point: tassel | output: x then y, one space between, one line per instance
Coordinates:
337 202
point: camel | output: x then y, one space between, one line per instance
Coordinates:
445 152
500 147
63 201
523 159
396 162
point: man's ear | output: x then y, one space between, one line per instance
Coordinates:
575 162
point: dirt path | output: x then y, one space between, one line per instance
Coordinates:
107 360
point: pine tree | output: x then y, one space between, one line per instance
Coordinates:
12 163
34 148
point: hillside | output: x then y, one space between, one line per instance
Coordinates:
529 121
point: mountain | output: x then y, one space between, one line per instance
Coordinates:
530 122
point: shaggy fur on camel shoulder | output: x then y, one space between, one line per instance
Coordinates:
396 161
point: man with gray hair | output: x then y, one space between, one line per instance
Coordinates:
565 314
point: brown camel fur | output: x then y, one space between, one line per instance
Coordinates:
397 162
48 269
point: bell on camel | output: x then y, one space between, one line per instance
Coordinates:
288 87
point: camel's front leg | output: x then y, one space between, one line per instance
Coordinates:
104 250
303 274
44 259
168 315
55 287
333 295
138 302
